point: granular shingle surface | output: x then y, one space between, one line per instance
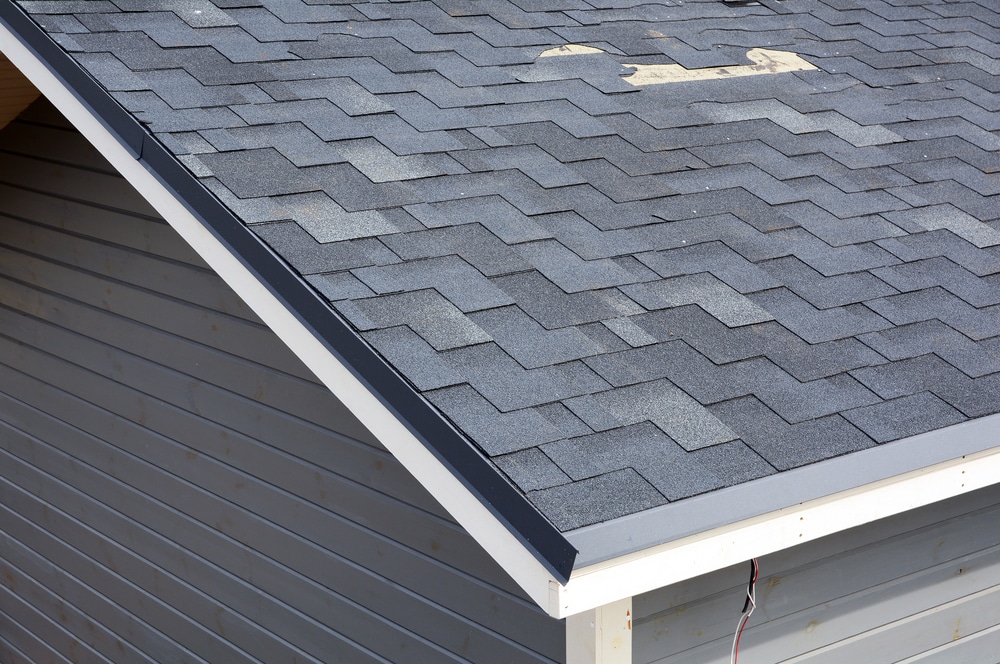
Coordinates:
625 296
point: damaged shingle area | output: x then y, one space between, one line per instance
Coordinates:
624 297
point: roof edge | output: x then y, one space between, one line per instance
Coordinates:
441 457
698 535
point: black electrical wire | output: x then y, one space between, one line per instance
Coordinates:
748 606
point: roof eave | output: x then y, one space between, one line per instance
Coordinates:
659 547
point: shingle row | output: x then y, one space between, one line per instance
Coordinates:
624 296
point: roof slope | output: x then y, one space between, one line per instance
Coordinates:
624 295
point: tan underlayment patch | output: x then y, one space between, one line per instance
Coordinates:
764 62
569 49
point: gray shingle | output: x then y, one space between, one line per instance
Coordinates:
344 92
733 463
307 255
326 221
906 416
508 386
980 261
597 499
426 312
413 356
462 284
495 432
937 303
826 292
908 341
784 445
660 402
554 308
340 286
628 331
947 217
529 343
643 447
831 261
355 192
797 123
818 325
294 140
529 159
158 116
380 164
716 258
112 72
531 470
940 271
837 231
714 263
263 172
496 214
703 289
974 397
736 201
573 274
471 241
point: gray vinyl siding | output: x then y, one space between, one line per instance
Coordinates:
174 484
923 586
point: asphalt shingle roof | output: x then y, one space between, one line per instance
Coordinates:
625 296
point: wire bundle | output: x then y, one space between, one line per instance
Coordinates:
748 606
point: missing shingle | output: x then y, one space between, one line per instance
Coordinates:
777 6
763 61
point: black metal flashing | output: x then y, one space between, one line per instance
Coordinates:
451 447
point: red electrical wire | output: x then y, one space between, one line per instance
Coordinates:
748 606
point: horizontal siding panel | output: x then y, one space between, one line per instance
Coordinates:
173 573
16 641
168 467
236 336
920 632
733 579
176 281
305 400
23 517
31 624
311 522
58 623
829 599
969 649
65 181
38 138
61 594
118 383
125 230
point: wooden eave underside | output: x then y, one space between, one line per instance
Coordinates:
16 92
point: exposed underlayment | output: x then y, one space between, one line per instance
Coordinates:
764 61
625 294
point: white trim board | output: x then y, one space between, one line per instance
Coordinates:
658 566
454 496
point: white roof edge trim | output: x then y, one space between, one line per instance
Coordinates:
456 499
672 562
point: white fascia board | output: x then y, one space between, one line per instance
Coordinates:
672 562
449 491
